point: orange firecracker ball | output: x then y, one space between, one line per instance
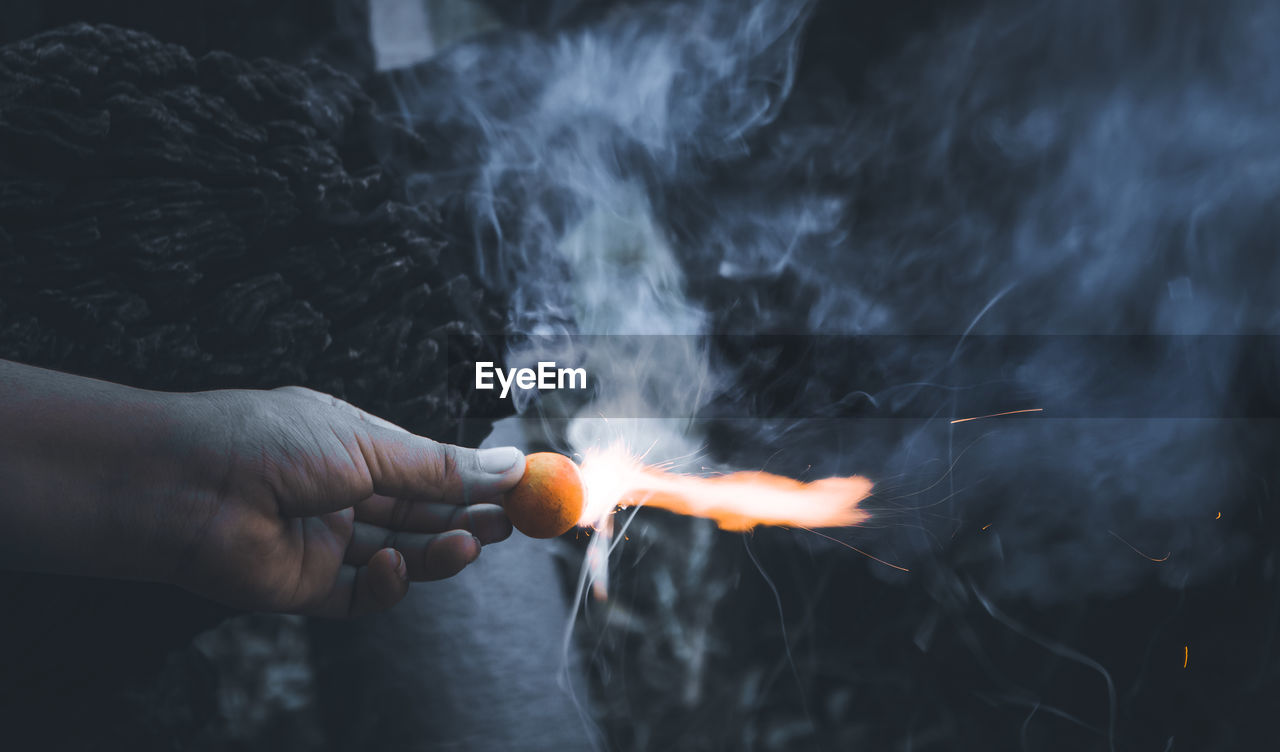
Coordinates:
548 500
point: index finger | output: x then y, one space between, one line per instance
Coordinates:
423 516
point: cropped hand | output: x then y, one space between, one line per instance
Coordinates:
281 500
326 510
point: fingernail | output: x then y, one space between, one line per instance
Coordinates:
498 460
401 568
479 546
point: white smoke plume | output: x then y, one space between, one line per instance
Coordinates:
673 169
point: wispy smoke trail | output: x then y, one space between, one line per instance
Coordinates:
1061 168
581 135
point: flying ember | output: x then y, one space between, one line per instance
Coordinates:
738 501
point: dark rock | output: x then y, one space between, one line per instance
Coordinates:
182 223
333 30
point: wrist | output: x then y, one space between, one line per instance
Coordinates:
93 475
137 469
177 469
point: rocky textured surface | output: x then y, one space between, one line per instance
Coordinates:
336 31
180 222
183 223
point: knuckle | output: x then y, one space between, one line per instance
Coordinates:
440 463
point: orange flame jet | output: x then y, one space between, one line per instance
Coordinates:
738 501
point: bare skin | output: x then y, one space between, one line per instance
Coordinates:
284 500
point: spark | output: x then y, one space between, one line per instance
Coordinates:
616 478
1186 653
997 415
1161 560
1219 516
984 527
846 545
737 501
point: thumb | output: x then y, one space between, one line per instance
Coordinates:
405 465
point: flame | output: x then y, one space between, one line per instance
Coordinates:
739 501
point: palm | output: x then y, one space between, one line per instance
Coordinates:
255 558
299 527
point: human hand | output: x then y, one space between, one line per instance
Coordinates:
319 508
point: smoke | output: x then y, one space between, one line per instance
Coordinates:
1057 169
580 135
1048 169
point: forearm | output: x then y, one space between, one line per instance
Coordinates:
84 467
